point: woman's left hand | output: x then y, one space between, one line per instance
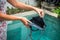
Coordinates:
40 12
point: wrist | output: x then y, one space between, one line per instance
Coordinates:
35 9
20 18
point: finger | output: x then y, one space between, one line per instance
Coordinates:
26 24
40 14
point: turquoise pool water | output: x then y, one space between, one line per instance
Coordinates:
17 31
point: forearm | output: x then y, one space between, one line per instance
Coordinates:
21 5
24 6
9 17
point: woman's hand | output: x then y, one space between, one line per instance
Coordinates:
40 12
25 21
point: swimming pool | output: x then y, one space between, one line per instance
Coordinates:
17 31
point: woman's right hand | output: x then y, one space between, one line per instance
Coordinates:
25 21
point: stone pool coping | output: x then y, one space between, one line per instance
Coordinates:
51 13
33 12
